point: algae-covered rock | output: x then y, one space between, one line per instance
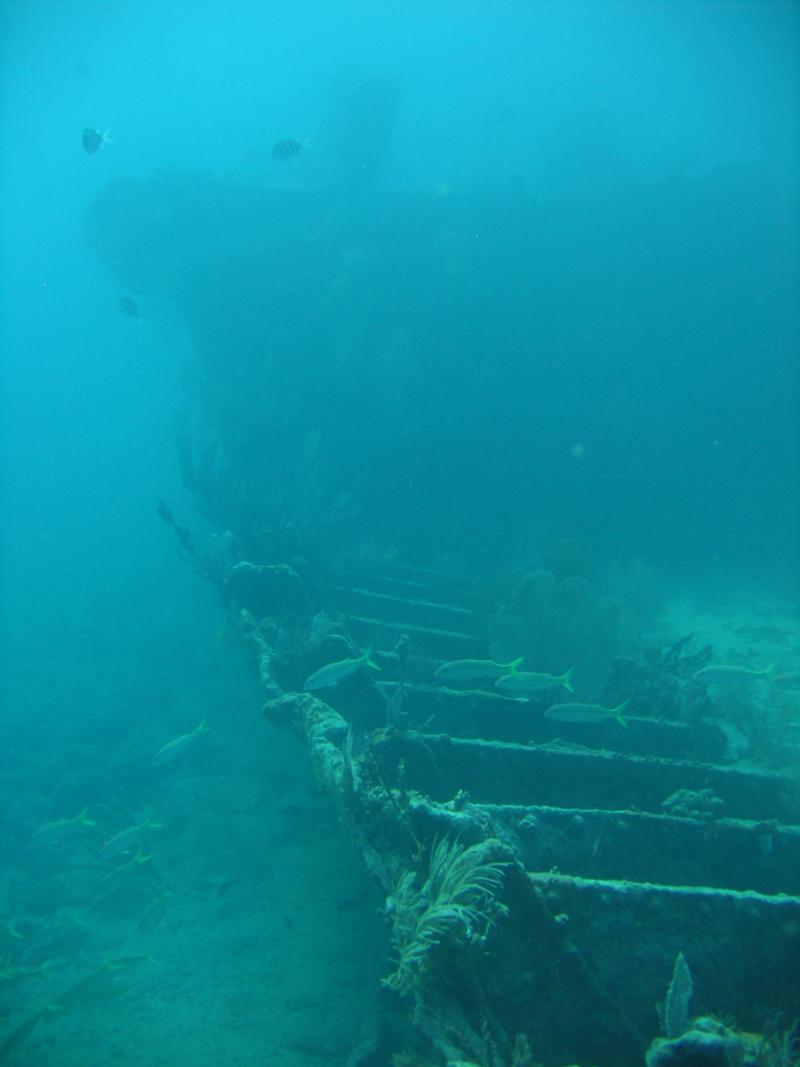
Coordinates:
707 1044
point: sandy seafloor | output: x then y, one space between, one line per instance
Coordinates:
270 946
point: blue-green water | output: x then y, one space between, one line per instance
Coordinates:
524 295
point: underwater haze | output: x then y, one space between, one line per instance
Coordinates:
306 302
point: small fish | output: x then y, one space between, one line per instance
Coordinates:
155 911
167 753
14 931
94 139
586 713
125 838
467 670
228 884
126 963
11 974
529 682
119 876
53 832
333 673
164 512
722 674
288 148
128 306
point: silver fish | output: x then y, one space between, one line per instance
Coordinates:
577 712
723 674
333 673
52 833
122 840
167 753
530 682
468 670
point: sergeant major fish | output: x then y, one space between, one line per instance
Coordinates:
288 148
93 140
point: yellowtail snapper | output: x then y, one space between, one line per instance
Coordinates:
124 839
167 753
468 670
333 673
724 674
528 682
120 877
12 975
52 833
586 713
155 910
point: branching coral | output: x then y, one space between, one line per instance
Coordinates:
455 902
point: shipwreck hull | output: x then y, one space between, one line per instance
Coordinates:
326 326
422 351
604 887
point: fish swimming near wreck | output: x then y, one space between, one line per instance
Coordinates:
577 712
174 748
52 833
124 839
725 674
333 673
528 682
469 670
92 140
119 877
128 306
288 148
